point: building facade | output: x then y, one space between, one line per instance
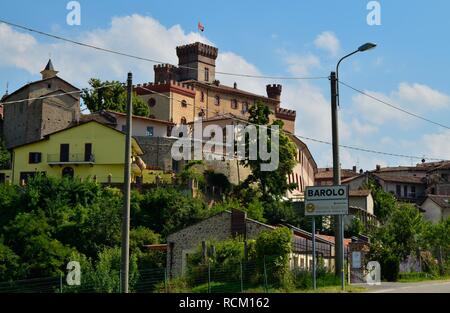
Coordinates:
87 150
182 93
30 113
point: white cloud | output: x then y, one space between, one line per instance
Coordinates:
415 98
436 144
301 65
328 41
229 62
422 95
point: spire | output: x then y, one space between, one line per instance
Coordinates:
49 70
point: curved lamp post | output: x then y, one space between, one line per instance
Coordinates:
339 227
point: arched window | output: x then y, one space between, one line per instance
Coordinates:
151 102
67 172
183 121
183 103
217 100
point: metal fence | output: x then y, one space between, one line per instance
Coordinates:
235 277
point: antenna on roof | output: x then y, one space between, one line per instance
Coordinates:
7 87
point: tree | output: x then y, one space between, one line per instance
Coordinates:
166 210
273 248
400 236
5 157
384 202
272 183
111 95
30 237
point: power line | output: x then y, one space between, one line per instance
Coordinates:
152 60
308 138
59 94
393 106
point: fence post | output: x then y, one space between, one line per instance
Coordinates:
242 280
165 280
265 275
209 277
60 282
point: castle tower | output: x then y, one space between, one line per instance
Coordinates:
274 91
197 61
49 71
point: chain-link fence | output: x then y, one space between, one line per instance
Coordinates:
269 274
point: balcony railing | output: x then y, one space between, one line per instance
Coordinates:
73 158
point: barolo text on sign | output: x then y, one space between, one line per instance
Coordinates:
326 200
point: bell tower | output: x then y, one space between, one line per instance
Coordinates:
197 61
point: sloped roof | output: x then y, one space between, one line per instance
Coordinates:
359 193
327 173
227 89
442 201
399 178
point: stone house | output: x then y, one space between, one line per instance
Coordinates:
226 225
26 121
436 207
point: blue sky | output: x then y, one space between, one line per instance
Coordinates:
287 38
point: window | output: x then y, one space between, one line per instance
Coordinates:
405 191
34 157
202 96
244 107
49 86
64 152
413 191
234 104
398 190
88 157
217 100
151 102
206 74
124 128
183 103
149 131
183 121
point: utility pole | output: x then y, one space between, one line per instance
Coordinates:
127 186
338 234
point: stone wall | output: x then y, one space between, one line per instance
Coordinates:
157 151
215 228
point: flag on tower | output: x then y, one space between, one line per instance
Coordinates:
201 27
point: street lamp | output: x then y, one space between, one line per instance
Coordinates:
339 227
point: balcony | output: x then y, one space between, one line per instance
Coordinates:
73 158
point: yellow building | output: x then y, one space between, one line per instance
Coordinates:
87 150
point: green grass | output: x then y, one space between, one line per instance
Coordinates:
418 277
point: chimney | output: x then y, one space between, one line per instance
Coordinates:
361 171
238 226
378 168
274 91
235 85
354 169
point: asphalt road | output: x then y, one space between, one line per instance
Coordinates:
419 287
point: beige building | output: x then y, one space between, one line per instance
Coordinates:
304 171
190 90
30 120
